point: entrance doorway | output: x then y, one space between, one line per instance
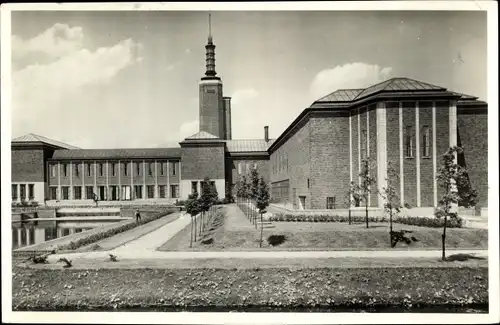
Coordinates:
302 202
114 193
125 192
102 193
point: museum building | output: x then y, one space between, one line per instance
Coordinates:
402 123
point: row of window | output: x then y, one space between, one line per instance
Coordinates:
194 186
112 193
245 167
126 168
280 162
410 142
19 192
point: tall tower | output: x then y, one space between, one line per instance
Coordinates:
212 112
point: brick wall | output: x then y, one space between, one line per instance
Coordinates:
329 159
409 164
473 135
28 165
212 109
232 175
202 160
372 133
297 147
392 116
442 135
426 170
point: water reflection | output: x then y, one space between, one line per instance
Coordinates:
27 233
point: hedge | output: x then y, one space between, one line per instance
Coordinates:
110 232
414 221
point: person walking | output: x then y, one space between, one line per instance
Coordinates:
95 199
137 216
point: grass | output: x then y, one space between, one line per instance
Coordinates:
334 288
297 236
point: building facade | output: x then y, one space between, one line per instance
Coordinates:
400 124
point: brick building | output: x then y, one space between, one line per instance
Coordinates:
402 123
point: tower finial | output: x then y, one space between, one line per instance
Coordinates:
210 27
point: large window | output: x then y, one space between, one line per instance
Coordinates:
77 170
138 168
239 168
65 192
138 191
53 170
65 170
31 191
162 169
89 192
89 169
125 169
330 202
113 169
426 141
53 193
77 192
161 191
280 190
173 168
194 187
150 169
14 192
409 142
151 191
101 169
23 192
174 191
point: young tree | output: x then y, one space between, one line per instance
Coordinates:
367 181
254 192
262 203
352 198
243 194
214 195
454 181
205 201
193 209
392 204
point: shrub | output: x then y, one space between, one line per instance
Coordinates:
95 237
431 222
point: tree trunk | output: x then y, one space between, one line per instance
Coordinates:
390 228
195 228
255 216
191 239
443 240
366 212
349 215
261 230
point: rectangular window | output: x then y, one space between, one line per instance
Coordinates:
150 169
65 170
23 191
65 192
174 191
248 168
53 193
31 191
125 169
77 170
77 192
162 169
89 192
101 169
409 142
14 192
138 168
173 166
330 202
89 169
194 187
53 170
113 169
426 141
239 168
138 191
161 191
151 191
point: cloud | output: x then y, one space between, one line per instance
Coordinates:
351 75
57 41
242 95
51 90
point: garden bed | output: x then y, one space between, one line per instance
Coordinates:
241 289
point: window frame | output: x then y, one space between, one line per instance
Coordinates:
409 138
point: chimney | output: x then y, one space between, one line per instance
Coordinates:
266 133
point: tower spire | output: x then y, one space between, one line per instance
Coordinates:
210 52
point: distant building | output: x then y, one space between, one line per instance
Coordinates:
403 122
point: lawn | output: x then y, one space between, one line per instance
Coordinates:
239 289
237 233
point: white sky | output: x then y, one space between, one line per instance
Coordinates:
130 79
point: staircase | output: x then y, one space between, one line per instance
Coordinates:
101 212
